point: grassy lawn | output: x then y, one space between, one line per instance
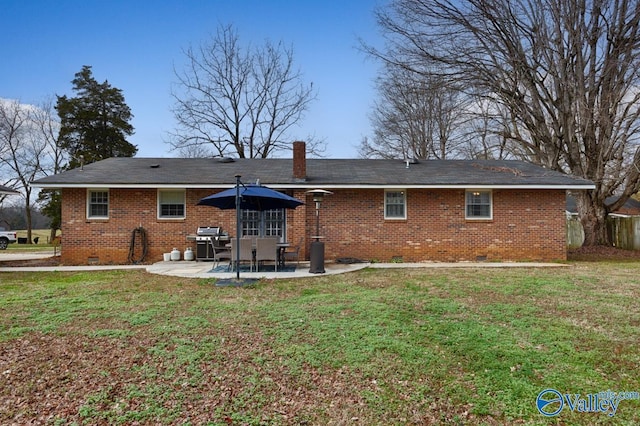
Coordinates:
374 347
42 235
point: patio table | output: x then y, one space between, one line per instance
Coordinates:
281 247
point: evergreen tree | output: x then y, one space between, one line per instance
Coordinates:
51 201
94 123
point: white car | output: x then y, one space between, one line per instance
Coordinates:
6 238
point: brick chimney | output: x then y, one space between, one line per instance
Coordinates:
299 160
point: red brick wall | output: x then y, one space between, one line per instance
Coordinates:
107 241
526 225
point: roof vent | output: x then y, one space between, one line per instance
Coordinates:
226 160
409 161
154 166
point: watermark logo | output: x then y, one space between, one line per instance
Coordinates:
551 402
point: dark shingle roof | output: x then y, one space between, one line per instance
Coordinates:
212 172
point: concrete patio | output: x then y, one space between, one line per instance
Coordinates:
190 269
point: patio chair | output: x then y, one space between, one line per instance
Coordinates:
267 249
293 252
252 238
246 252
219 253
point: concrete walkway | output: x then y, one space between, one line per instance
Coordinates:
7 255
25 255
69 268
191 269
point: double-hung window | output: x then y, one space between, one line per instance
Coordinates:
171 204
274 223
97 204
395 204
478 204
268 223
250 223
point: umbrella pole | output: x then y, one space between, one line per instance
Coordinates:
238 227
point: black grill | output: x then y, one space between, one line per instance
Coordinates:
209 238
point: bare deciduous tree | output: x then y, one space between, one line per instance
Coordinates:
485 134
241 100
24 147
567 71
54 161
417 116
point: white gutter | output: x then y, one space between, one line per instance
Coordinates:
306 186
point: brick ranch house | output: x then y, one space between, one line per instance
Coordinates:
381 210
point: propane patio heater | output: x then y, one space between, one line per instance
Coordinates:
316 255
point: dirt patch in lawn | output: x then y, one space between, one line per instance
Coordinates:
52 378
600 253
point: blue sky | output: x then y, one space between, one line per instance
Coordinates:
135 44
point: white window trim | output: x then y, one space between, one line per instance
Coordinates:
158 209
88 207
490 217
404 191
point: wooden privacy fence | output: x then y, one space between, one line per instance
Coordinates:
575 233
624 232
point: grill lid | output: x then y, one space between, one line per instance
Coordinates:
209 230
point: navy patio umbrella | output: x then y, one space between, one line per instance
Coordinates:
252 197
248 197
